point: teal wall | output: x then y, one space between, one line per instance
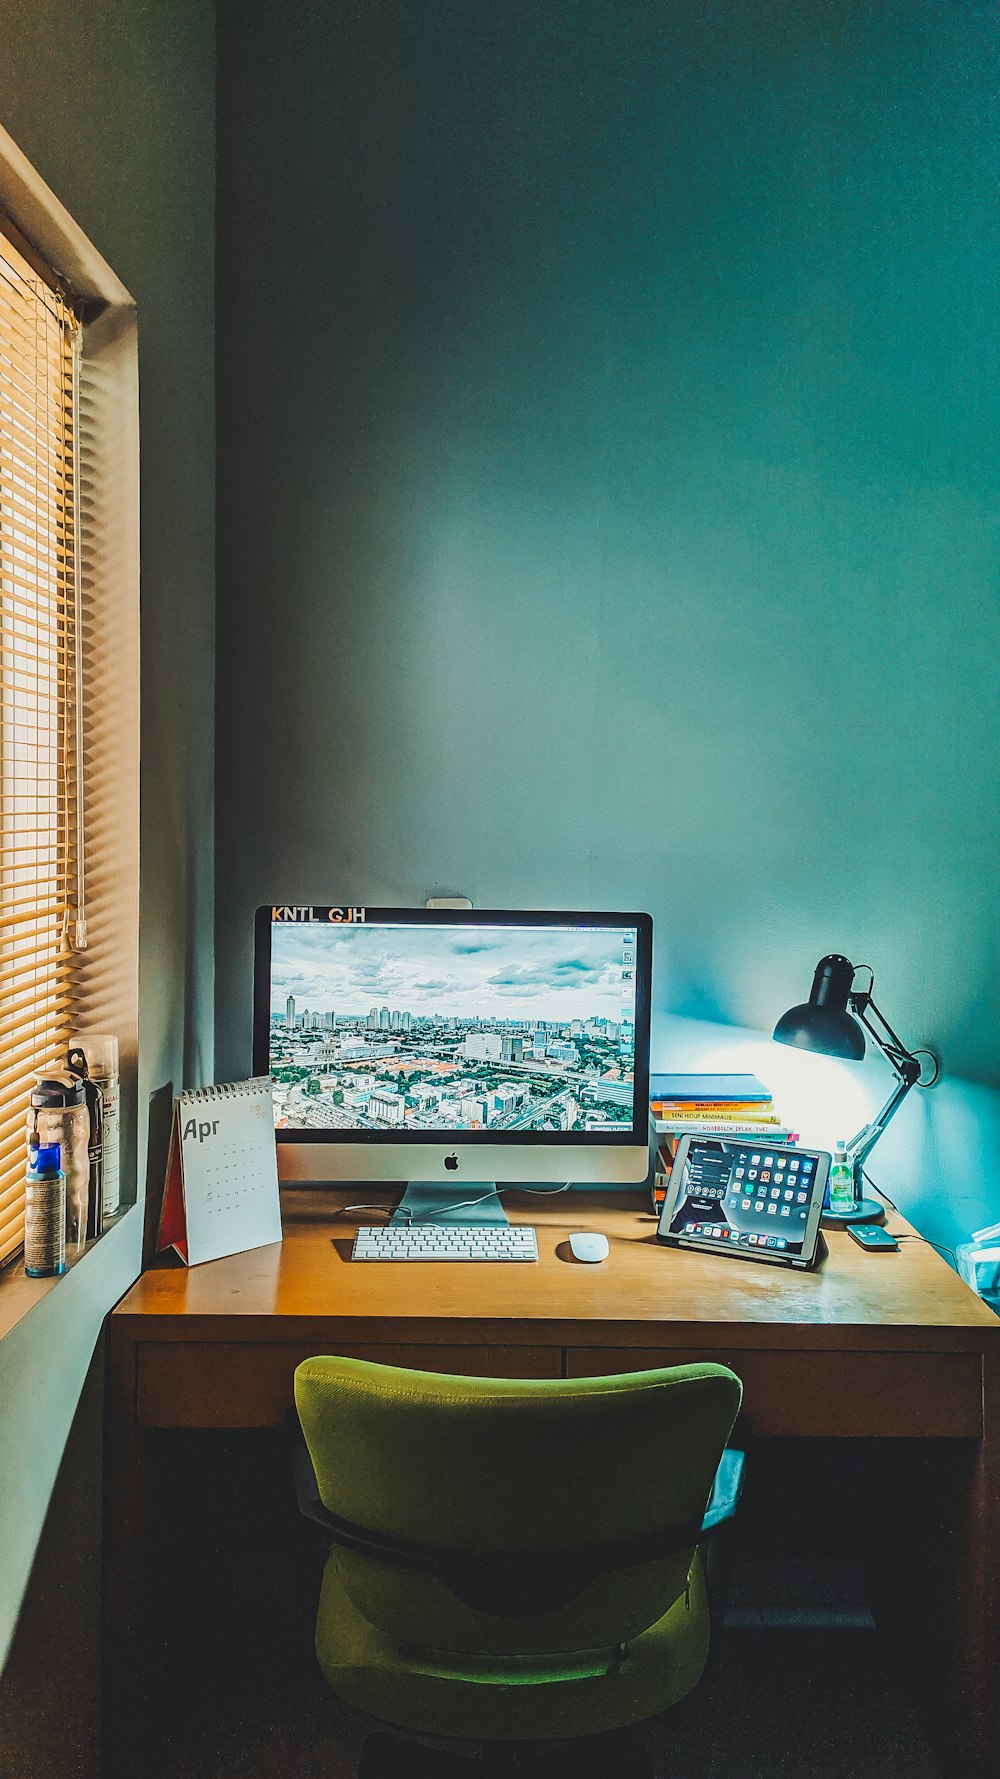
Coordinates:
607 476
114 103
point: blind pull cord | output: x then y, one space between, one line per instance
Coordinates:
80 926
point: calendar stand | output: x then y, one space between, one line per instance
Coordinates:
221 1193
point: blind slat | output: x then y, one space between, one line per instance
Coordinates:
39 591
15 915
11 1185
12 293
42 997
32 1054
11 1244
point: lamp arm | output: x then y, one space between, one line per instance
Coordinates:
859 1146
864 1009
907 1075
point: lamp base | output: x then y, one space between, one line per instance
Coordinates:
864 1210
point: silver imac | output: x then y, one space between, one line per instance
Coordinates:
455 1048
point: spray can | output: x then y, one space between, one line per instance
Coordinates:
44 1213
57 1114
100 1054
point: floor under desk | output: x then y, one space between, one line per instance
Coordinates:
890 1354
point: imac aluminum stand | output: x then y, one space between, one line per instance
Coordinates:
468 1201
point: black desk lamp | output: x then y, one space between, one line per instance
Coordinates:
823 1023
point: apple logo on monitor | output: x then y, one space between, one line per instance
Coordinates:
451 1163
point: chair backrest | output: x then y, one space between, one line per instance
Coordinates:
516 1466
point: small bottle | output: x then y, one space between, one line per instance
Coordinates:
44 1213
841 1181
57 1113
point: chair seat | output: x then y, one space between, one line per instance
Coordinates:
576 1694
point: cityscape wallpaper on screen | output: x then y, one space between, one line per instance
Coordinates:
422 1028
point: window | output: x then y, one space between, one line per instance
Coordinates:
42 917
69 680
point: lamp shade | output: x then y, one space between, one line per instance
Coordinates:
823 1023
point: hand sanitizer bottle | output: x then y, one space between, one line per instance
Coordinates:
841 1181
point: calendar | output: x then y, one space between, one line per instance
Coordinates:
221 1193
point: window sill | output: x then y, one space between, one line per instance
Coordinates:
19 1294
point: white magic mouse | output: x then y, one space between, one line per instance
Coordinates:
587 1245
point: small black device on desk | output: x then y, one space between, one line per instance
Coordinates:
742 1196
870 1236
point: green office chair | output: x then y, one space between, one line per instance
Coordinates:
514 1561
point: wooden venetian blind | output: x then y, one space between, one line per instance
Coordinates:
41 830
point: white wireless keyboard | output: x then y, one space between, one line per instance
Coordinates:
452 1241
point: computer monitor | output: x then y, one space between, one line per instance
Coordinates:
455 1048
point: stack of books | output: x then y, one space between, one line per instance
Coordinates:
709 1105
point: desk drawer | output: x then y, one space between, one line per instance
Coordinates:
829 1395
246 1384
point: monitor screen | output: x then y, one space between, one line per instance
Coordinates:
424 1026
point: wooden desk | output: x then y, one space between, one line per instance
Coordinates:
872 1347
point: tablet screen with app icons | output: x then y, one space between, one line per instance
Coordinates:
756 1200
